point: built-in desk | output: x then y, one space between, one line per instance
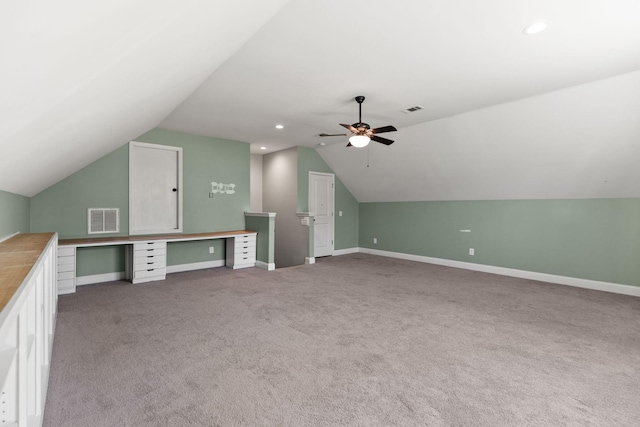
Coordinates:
146 255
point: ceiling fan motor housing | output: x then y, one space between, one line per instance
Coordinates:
361 127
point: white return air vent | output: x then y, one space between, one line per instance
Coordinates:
103 220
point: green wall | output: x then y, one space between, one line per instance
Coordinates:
14 214
105 183
265 245
346 226
596 239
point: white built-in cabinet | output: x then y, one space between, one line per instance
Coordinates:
146 261
27 324
66 270
241 251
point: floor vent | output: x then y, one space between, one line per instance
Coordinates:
413 109
103 220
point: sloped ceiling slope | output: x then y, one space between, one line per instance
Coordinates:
468 63
580 142
81 78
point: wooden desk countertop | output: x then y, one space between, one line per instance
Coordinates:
122 240
17 256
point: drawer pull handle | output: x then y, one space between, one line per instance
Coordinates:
149 263
151 269
149 256
149 249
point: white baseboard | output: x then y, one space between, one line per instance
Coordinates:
346 251
178 268
309 260
99 278
67 291
266 266
523 274
112 277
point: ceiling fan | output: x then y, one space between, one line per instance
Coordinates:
362 132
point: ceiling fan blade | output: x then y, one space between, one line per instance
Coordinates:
351 128
333 134
381 140
384 129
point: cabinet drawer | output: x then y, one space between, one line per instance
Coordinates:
66 251
149 264
66 260
64 275
147 257
67 284
149 245
153 272
244 247
239 253
67 267
245 258
246 239
150 251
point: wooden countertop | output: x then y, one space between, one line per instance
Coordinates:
105 241
17 256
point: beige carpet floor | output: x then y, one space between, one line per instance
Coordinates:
355 340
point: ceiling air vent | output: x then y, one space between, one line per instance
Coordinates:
103 220
413 109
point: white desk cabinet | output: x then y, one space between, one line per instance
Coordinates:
66 270
241 251
147 261
146 256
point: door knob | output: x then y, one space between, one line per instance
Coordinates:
174 190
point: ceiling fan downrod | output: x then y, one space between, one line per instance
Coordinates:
359 100
360 127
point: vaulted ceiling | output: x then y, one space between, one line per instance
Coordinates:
506 115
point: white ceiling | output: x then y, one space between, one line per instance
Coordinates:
81 78
498 122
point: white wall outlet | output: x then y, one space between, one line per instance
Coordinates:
375 240
472 251
211 249
339 213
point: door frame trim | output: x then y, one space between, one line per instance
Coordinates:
178 150
333 202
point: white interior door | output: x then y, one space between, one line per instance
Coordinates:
155 188
321 201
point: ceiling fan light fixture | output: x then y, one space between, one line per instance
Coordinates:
359 141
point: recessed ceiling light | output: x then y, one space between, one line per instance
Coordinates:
263 148
535 28
279 127
323 143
